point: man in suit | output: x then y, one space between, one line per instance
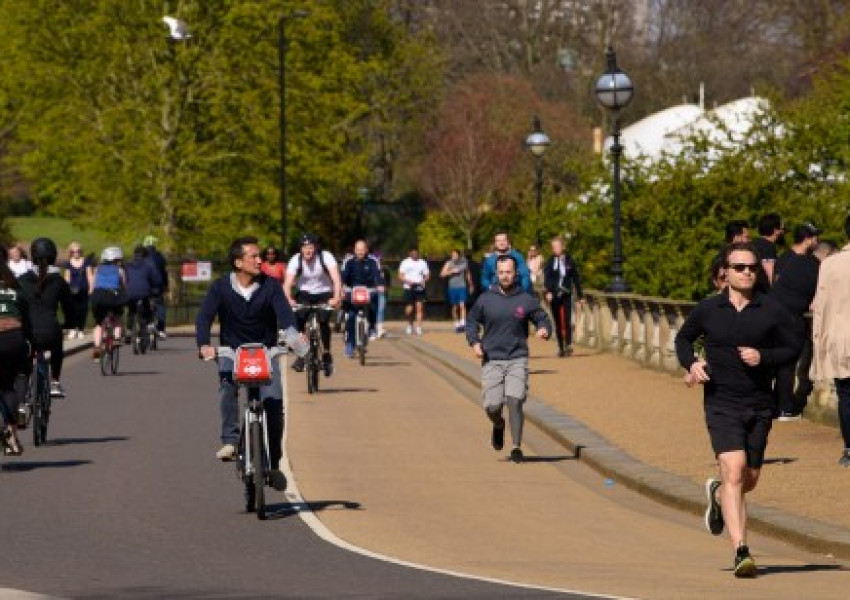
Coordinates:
562 283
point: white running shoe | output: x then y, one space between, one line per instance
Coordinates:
226 452
409 330
419 331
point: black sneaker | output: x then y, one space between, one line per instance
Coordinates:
744 565
498 437
844 461
298 364
713 514
277 480
328 364
517 456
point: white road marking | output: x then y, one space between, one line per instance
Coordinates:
302 507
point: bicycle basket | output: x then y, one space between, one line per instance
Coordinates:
252 366
359 295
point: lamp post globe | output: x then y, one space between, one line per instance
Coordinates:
614 90
537 142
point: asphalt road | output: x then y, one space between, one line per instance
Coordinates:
127 501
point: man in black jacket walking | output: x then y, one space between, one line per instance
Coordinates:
561 280
504 311
747 335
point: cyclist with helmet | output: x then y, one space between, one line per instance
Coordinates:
108 294
142 281
45 290
315 275
13 354
156 258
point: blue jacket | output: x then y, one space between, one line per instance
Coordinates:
361 272
243 321
488 271
141 279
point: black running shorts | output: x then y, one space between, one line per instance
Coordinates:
739 428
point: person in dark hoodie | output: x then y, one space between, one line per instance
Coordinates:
504 312
45 291
251 308
142 283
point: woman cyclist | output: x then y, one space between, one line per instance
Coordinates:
45 290
107 295
14 353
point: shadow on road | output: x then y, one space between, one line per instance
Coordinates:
779 461
95 440
21 467
543 372
285 510
346 390
810 568
168 592
547 459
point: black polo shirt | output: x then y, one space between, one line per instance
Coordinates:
796 281
763 324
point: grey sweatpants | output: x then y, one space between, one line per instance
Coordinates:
505 382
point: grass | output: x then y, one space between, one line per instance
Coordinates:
61 231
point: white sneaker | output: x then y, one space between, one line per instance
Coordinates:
81 334
409 330
161 335
226 452
373 336
72 334
56 390
419 331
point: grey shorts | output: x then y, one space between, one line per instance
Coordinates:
501 379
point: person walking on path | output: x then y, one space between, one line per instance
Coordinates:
831 331
502 247
504 312
560 280
747 334
456 271
795 282
771 232
414 274
78 272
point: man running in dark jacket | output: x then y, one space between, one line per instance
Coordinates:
504 312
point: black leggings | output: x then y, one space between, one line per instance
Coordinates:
79 311
324 316
14 356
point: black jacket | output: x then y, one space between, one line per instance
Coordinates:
763 324
43 325
558 284
244 321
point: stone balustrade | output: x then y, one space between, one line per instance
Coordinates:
643 329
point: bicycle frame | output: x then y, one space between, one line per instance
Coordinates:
110 350
313 360
361 324
253 462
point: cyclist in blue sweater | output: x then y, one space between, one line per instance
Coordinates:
251 308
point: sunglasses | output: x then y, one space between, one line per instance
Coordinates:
741 267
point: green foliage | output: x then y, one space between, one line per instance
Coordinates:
122 129
439 235
61 231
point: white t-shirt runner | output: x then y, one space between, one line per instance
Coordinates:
313 279
413 271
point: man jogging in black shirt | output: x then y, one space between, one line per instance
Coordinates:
504 312
747 335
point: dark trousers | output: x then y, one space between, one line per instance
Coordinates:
791 398
14 358
159 308
79 311
561 306
842 386
303 299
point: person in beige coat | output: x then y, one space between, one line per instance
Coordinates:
831 333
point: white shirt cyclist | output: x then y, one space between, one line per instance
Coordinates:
313 278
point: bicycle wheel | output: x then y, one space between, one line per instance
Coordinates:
310 365
45 405
362 338
114 358
152 334
258 465
144 339
37 409
136 341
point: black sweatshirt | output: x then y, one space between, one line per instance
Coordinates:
505 319
244 321
44 328
763 324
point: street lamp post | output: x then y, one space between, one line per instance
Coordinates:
281 72
614 90
537 142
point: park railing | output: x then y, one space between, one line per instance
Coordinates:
643 329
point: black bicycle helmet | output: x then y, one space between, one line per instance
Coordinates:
43 249
308 238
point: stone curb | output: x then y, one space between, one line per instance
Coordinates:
668 488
